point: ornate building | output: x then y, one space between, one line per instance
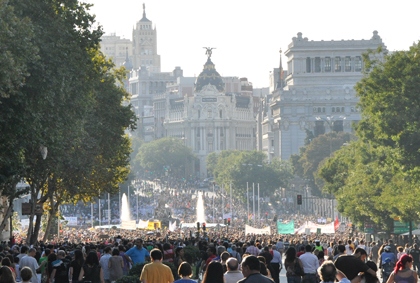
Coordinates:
212 119
318 95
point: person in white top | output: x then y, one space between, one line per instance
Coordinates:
30 261
233 274
310 265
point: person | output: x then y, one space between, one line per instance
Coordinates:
280 246
252 249
263 267
43 262
211 255
104 263
374 251
233 274
168 253
126 259
156 271
91 270
352 265
60 272
115 265
138 253
275 263
26 275
251 271
402 272
51 258
310 265
289 263
367 277
415 254
185 273
6 275
387 262
6 262
235 253
76 265
179 257
328 273
341 250
400 252
30 261
213 273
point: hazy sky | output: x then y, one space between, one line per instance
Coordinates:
248 35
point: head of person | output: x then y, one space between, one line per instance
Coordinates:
78 256
290 254
6 275
92 258
26 273
61 254
6 262
32 252
387 249
369 278
156 254
211 250
341 249
232 264
139 243
360 254
327 271
179 251
308 248
224 256
115 251
405 261
214 272
107 250
250 265
184 269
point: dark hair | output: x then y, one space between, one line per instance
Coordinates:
6 262
115 251
177 250
369 278
290 255
26 273
92 258
327 271
252 262
184 269
263 269
308 248
214 273
6 275
156 254
78 256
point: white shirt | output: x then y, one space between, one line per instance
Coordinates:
29 261
233 276
310 262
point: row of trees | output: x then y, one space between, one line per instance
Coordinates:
57 91
377 177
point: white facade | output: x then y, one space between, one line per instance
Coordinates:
319 94
116 48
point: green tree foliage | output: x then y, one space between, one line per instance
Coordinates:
311 156
241 167
377 177
72 103
166 155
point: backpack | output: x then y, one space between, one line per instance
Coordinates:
63 270
91 273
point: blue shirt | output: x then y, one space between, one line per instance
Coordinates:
138 255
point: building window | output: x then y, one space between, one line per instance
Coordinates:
220 114
347 64
327 67
342 109
338 126
333 110
337 64
319 128
308 64
209 114
199 114
358 64
317 64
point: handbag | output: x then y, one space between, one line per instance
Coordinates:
298 269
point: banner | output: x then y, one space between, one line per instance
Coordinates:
128 225
336 223
143 224
286 228
252 230
310 227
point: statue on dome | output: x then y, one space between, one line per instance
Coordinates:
209 51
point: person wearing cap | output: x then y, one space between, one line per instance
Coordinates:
352 265
318 246
387 256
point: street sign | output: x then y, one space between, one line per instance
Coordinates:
27 207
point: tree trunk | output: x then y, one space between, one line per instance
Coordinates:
6 216
34 238
51 216
31 216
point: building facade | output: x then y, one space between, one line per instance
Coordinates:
318 95
212 119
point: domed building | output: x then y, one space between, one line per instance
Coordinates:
211 119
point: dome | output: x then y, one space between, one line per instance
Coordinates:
209 75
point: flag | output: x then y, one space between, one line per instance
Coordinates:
286 228
172 226
336 224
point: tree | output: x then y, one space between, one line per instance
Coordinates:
312 155
164 155
377 176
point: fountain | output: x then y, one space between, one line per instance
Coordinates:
125 209
200 209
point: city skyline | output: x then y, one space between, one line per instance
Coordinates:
247 36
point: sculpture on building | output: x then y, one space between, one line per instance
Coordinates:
209 51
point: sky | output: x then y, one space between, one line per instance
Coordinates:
247 35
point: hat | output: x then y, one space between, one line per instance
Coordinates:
387 248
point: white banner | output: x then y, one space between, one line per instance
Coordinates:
128 225
143 224
252 230
310 227
172 226
71 220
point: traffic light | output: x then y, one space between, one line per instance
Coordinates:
198 226
266 215
299 199
228 223
225 221
204 226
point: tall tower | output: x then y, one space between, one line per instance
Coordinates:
145 45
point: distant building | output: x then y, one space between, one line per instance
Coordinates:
212 119
318 95
116 48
